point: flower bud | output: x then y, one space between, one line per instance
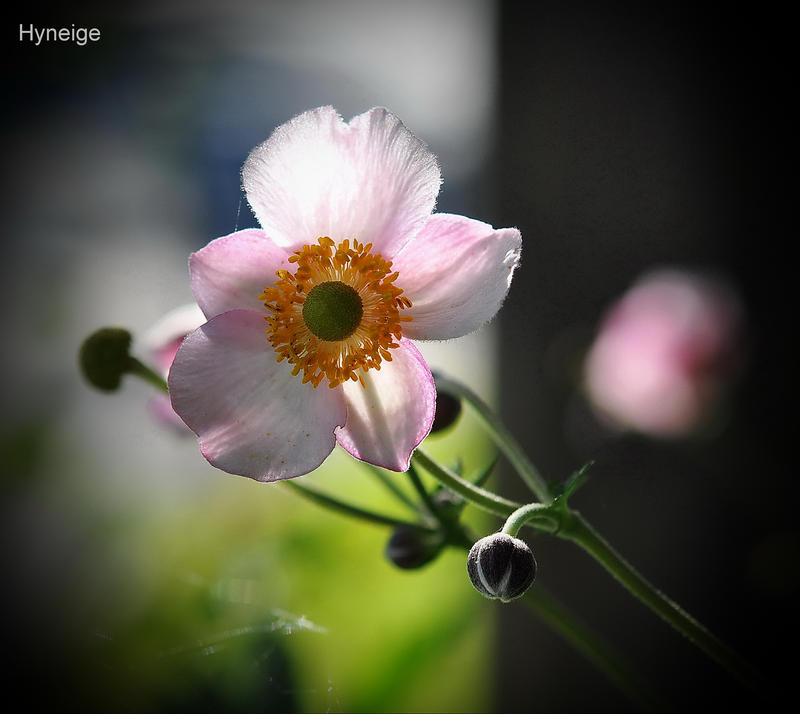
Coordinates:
104 357
448 409
411 548
449 505
501 567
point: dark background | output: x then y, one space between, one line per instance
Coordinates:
634 136
627 136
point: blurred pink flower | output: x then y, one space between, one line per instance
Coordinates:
160 344
663 353
361 267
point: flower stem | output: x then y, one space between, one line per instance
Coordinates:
554 614
425 497
501 436
560 520
526 514
576 529
321 498
476 495
590 644
391 486
144 372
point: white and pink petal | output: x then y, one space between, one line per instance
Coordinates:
389 418
162 340
251 415
231 272
370 180
456 273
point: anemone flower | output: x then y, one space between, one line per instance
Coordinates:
311 317
663 353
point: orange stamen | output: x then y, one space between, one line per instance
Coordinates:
372 340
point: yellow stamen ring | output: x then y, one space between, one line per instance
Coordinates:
341 347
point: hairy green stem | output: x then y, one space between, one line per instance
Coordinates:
323 499
560 520
531 512
476 495
500 435
425 497
391 486
576 529
549 516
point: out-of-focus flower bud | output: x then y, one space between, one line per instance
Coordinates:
501 567
663 353
411 548
448 409
105 356
446 500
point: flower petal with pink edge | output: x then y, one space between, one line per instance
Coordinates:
231 272
389 418
456 273
252 416
370 180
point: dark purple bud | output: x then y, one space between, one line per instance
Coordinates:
501 567
411 548
448 409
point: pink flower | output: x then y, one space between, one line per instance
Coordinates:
663 353
310 318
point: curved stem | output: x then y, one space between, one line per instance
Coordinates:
425 497
548 608
144 372
570 525
576 529
323 499
501 436
479 497
391 486
528 513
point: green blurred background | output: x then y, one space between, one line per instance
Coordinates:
227 595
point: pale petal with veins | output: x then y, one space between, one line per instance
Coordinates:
370 180
456 273
252 416
230 272
389 418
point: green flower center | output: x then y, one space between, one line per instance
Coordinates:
332 310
